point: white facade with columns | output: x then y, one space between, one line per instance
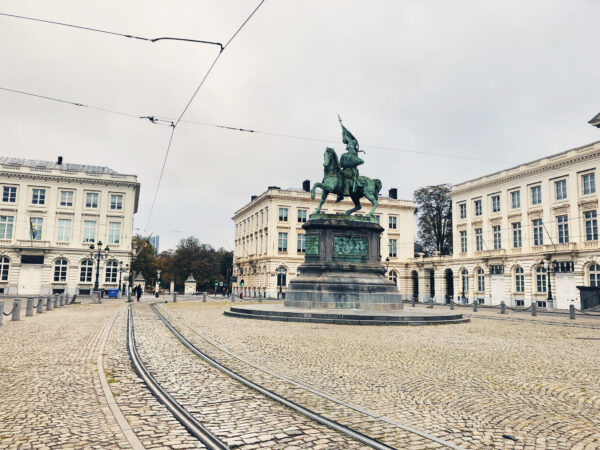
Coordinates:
70 207
506 223
269 237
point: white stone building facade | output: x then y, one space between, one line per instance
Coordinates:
509 227
269 238
50 214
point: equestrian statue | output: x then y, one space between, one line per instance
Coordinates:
341 176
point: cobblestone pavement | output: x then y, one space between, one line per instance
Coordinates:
469 384
239 415
50 394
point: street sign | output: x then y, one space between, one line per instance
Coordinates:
233 279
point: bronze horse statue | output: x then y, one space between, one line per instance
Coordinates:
333 183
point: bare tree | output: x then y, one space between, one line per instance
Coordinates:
434 214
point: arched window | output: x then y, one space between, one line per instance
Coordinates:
465 282
480 280
393 276
540 278
281 276
4 266
87 268
112 267
594 275
60 270
519 280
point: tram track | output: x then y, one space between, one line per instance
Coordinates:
366 417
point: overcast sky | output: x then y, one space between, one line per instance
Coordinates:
503 82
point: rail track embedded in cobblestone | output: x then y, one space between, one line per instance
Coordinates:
339 427
193 426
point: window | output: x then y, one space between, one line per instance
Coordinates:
112 267
9 194
35 228
462 208
281 276
495 203
66 198
392 247
594 275
114 232
465 282
393 222
393 276
4 266
515 199
91 200
39 197
536 195
560 189
60 270
563 229
89 231
591 225
301 215
519 280
282 242
6 227
116 201
283 214
517 237
480 280
64 230
497 237
496 269
588 181
478 239
477 207
87 268
540 276
463 242
538 232
301 243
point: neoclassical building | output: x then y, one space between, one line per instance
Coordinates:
50 215
270 245
518 234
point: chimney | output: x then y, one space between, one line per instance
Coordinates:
59 162
253 197
306 185
394 193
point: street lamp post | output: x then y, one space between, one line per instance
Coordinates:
548 267
120 272
98 255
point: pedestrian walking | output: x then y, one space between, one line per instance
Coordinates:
138 292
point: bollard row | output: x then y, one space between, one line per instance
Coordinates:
49 302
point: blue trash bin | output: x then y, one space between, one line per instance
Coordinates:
113 293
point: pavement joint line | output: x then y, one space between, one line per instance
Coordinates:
324 395
110 399
542 322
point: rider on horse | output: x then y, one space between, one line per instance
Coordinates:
349 162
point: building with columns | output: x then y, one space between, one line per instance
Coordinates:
50 215
519 235
269 238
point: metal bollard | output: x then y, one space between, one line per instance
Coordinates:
16 312
40 305
1 312
55 301
475 302
174 297
502 307
204 296
128 296
260 297
431 302
67 299
48 303
412 301
29 308
99 297
572 312
61 300
452 303
534 308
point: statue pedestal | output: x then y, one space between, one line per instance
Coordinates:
342 267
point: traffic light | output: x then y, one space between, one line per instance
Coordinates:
242 283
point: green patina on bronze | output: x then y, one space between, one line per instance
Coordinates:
350 248
341 176
311 246
369 219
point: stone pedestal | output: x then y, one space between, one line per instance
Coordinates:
342 267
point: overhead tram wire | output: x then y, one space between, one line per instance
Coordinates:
113 33
174 125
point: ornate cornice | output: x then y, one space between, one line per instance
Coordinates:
70 179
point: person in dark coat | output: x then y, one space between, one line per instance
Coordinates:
138 292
